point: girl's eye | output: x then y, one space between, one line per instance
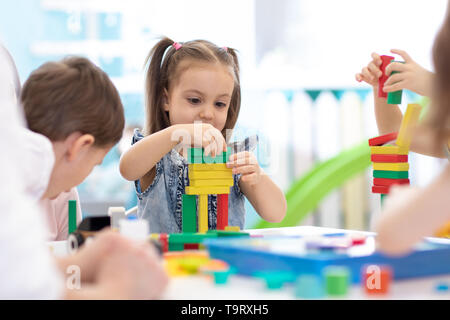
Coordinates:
194 100
221 104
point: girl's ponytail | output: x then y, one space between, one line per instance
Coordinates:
155 83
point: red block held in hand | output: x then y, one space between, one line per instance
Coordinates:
385 61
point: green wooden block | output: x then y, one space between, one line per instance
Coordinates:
390 174
175 246
223 233
185 238
189 208
221 158
72 216
337 280
226 155
396 96
195 152
195 160
382 198
195 155
210 160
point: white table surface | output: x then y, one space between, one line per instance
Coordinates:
200 287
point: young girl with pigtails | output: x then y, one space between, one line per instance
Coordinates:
193 98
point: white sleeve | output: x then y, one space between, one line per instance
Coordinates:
27 269
37 162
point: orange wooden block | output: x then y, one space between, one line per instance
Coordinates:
377 279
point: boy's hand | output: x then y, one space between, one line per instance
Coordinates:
372 72
411 76
132 271
245 163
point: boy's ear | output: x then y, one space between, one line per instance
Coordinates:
166 100
77 144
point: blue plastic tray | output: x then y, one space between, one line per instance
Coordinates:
250 255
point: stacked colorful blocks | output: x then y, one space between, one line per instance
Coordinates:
207 175
390 162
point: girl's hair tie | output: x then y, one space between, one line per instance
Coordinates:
177 45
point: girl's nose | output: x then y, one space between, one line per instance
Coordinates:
207 113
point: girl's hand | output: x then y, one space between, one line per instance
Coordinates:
372 72
200 135
411 76
245 163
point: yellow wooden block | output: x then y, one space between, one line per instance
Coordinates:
208 167
154 236
207 175
207 190
232 228
389 150
400 166
202 213
211 183
408 122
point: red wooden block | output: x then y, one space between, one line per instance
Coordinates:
222 211
191 246
385 61
164 239
389 182
380 189
389 158
376 279
379 141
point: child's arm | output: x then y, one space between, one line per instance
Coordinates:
264 195
410 214
411 76
143 155
113 267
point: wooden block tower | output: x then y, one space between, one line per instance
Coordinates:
390 162
207 175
